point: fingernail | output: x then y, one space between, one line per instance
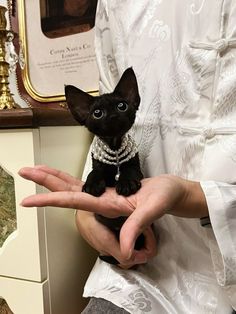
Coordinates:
139 260
130 254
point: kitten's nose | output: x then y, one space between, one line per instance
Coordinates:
113 116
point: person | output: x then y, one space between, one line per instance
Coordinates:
183 53
78 7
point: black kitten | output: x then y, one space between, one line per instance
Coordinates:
114 154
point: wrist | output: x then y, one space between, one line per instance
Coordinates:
82 217
196 200
193 203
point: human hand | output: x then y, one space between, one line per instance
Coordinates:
157 196
160 195
107 244
66 192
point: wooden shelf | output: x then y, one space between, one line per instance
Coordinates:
35 117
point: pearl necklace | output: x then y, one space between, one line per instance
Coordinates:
103 153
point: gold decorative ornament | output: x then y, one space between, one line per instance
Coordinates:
63 105
6 99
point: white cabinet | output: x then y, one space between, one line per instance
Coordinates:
44 262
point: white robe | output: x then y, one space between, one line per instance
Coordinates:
184 56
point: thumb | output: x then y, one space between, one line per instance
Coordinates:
135 224
129 233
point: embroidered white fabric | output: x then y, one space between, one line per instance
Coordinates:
184 56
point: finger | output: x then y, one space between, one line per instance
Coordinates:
50 181
65 199
80 200
139 257
60 174
150 245
135 224
144 254
106 243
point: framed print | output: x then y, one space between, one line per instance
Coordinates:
57 44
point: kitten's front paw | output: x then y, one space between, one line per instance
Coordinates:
128 187
95 188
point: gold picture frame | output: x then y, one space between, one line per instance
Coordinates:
63 57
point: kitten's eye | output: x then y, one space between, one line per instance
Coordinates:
122 106
98 114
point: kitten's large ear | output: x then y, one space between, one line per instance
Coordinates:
78 102
127 87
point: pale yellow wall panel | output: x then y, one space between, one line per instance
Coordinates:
23 253
25 297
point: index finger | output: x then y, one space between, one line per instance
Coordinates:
110 204
58 173
52 179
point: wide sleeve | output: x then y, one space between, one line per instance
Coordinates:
106 62
221 201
